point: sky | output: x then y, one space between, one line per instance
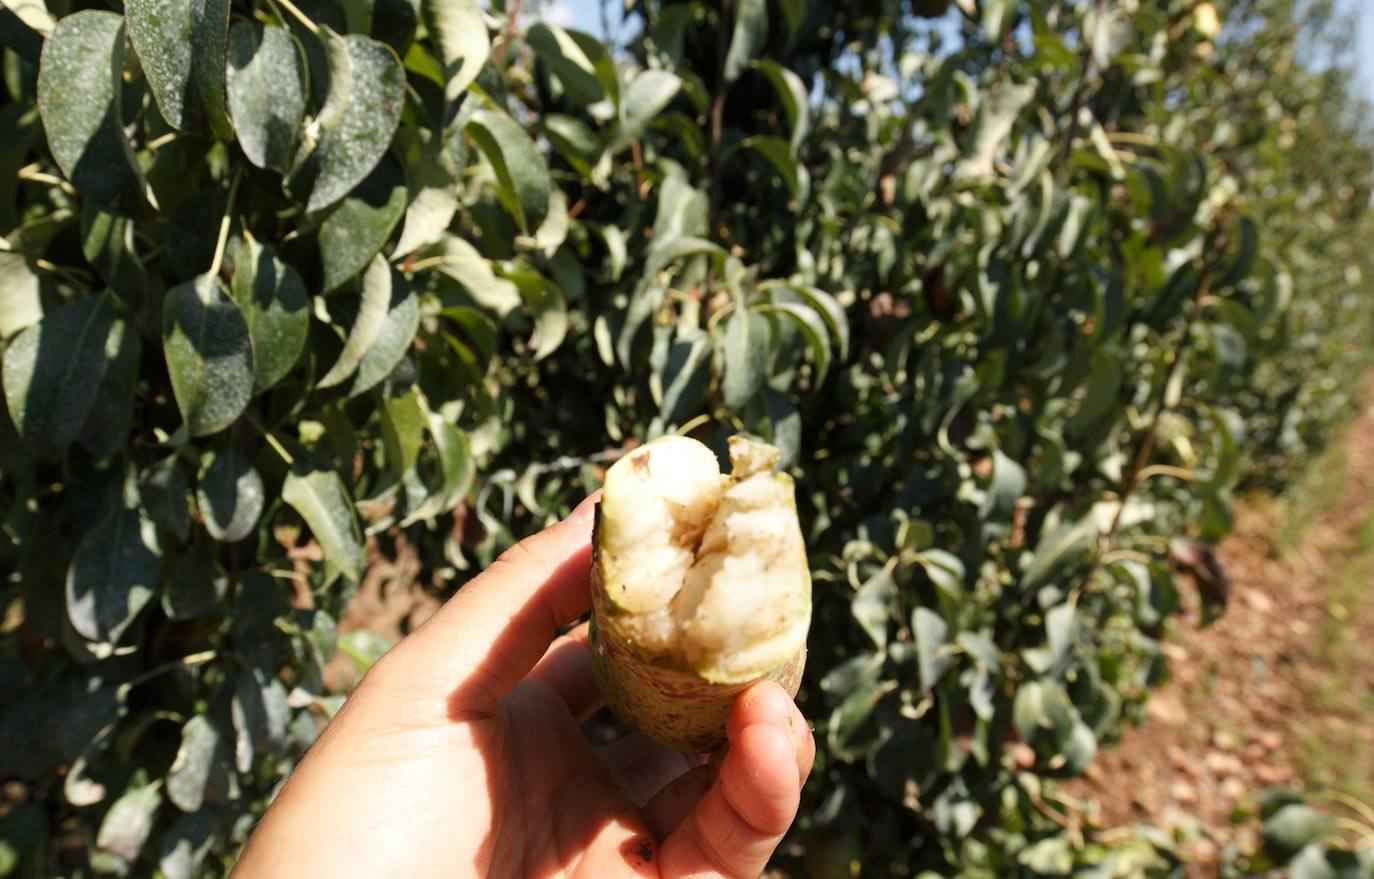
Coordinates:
584 15
1364 44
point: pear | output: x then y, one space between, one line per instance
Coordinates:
700 587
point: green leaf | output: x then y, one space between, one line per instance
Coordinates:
746 41
106 429
522 177
649 92
945 570
230 495
186 843
196 586
276 309
780 155
53 370
397 332
992 124
79 97
457 469
195 759
872 605
831 311
358 227
403 425
462 37
113 575
432 179
814 331
364 647
163 492
107 242
209 354
181 47
1008 484
576 141
556 48
388 315
460 261
931 633
266 91
792 92
366 94
1292 827
260 714
127 825
684 376
546 304
20 306
744 353
394 22
323 502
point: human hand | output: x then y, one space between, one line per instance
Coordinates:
460 754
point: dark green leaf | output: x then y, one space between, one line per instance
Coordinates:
381 332
181 46
129 822
393 341
113 576
556 48
266 89
190 771
462 37
196 585
163 491
432 179
457 469
260 715
750 31
1292 827
743 351
358 227
521 175
106 429
546 304
366 94
649 92
872 605
780 155
53 370
80 100
230 495
323 502
792 92
209 354
276 309
931 654
186 843
20 306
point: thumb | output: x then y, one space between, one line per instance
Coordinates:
742 817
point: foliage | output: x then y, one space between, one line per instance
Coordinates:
289 291
1310 844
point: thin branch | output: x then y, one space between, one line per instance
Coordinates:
224 223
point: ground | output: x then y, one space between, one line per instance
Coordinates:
1279 691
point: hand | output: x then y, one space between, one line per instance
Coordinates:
460 754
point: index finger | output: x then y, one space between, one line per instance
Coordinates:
482 642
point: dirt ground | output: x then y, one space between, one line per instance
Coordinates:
1279 691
